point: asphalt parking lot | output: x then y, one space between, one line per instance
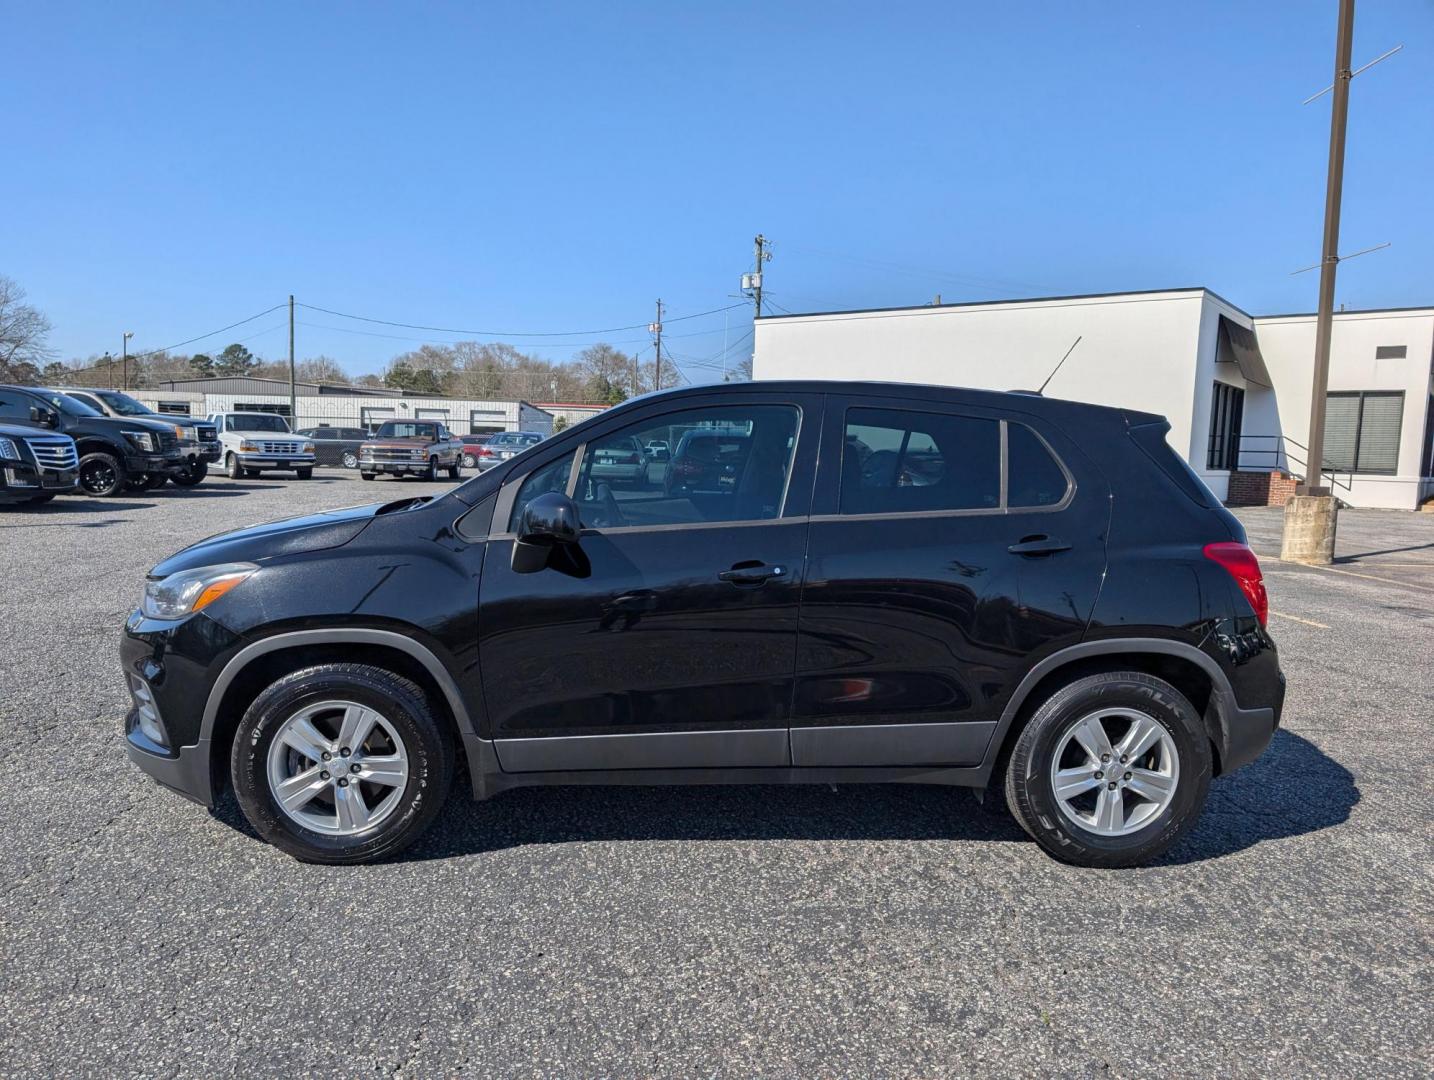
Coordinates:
859 931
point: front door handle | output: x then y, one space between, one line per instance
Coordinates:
1038 545
752 573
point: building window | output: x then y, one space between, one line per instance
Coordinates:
1391 352
276 409
1361 431
178 408
1227 409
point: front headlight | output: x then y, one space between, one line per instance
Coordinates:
143 439
182 432
308 448
189 591
246 447
419 454
9 450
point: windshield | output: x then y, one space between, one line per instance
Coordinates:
407 430
68 405
257 422
122 403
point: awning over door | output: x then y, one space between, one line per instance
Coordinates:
1238 345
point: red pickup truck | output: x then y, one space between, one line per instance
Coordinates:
411 448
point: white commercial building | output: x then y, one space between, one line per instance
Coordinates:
1235 387
334 405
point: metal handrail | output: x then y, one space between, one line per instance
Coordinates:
1282 443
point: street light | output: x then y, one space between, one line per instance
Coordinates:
127 335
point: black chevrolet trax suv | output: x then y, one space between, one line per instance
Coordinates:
884 583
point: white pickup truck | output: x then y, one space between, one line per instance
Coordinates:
255 442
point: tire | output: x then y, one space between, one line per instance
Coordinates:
318 829
232 467
455 471
1178 761
192 476
350 460
469 461
306 474
153 481
101 475
432 474
366 475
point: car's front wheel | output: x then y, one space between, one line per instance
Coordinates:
350 460
102 475
232 467
341 763
1110 771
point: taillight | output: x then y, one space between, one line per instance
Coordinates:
483 451
1240 562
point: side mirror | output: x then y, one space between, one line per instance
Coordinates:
547 532
44 417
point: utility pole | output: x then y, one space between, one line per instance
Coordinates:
110 368
293 399
655 328
127 335
1311 516
752 283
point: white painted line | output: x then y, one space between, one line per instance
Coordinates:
1296 618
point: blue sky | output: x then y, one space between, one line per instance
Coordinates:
174 168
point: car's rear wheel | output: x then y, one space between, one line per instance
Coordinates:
101 475
1110 771
469 461
341 763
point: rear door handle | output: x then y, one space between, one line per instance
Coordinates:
1038 545
752 573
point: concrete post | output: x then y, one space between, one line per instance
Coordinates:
1309 530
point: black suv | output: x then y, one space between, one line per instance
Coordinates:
198 439
904 584
112 451
35 466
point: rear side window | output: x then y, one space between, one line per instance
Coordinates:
1032 476
895 461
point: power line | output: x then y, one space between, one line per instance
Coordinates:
212 333
510 333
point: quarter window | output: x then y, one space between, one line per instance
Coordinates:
1032 476
894 461
731 463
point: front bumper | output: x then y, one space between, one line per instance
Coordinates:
173 461
175 662
20 481
276 461
417 468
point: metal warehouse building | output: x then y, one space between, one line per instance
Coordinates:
339 405
1234 386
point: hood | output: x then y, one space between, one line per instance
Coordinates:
292 536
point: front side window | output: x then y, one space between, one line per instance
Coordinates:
895 461
731 464
550 477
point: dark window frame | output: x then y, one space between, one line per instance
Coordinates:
1004 506
1363 396
1227 417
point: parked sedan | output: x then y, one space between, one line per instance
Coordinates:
335 445
471 443
620 461
504 445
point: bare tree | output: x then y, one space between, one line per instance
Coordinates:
23 333
321 369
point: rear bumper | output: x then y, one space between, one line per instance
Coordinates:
1248 732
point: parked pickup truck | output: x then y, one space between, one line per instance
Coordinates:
411 447
35 467
257 442
198 441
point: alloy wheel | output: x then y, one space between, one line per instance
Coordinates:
1115 771
98 477
337 768
350 460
